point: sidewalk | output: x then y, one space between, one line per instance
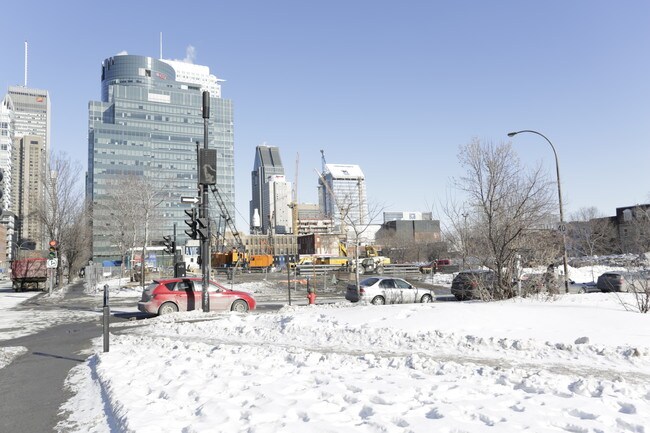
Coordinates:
32 386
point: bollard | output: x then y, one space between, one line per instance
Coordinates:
106 316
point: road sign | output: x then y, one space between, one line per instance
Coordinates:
561 228
190 200
52 263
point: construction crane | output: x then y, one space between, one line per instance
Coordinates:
225 215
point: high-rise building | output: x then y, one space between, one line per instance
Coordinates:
6 145
31 113
342 194
149 124
29 135
29 168
7 217
267 164
277 201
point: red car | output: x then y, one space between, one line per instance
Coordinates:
185 294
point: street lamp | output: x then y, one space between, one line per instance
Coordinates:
562 227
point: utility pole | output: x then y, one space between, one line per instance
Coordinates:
205 240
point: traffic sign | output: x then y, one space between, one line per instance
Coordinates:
561 228
52 263
193 200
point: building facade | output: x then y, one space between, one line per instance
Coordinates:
267 165
276 192
25 116
32 113
149 124
407 216
342 195
29 168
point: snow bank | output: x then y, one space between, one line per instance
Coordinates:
576 363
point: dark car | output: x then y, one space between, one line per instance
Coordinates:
623 281
468 284
185 294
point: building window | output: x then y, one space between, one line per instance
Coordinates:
627 215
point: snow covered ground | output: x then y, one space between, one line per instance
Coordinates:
577 363
573 363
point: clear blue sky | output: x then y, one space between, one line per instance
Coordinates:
395 87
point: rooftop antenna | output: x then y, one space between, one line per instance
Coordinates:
161 46
25 63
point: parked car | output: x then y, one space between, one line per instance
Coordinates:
185 294
623 281
388 290
468 284
589 287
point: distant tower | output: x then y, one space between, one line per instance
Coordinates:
343 186
267 164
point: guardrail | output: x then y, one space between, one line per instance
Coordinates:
391 269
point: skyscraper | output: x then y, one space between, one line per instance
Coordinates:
268 164
277 198
29 168
342 194
28 112
148 124
31 113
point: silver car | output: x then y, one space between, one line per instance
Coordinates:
388 290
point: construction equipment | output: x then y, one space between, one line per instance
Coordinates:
225 215
234 258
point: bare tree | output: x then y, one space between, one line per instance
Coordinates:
505 201
63 202
358 226
131 215
590 234
77 248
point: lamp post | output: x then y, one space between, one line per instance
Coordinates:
562 227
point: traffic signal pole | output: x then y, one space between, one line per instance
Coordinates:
205 240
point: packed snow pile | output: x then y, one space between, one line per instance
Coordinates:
577 363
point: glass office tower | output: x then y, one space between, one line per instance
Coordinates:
148 124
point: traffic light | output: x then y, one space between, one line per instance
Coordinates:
169 244
192 233
202 227
54 246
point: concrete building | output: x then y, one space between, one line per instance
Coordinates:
311 220
276 193
25 116
267 165
29 168
148 124
407 216
32 113
7 217
342 194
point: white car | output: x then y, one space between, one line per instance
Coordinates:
388 290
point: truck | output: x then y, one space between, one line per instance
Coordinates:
29 273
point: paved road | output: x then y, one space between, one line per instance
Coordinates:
31 387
